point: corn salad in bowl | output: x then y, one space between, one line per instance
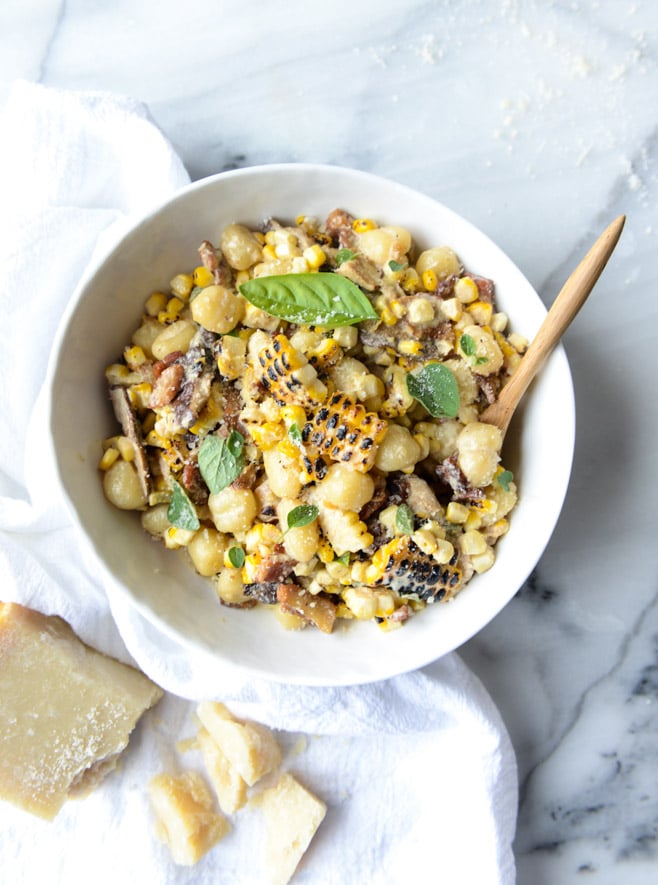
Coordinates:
412 381
300 413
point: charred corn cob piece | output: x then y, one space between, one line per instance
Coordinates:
342 430
326 354
287 374
403 567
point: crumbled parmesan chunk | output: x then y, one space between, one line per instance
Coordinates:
186 821
230 787
292 817
66 711
251 748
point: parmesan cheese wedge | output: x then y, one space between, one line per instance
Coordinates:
66 711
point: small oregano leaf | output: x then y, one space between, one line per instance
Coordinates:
404 519
302 515
236 557
344 255
181 512
504 479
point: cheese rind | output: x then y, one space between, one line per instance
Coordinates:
66 710
251 748
292 817
186 821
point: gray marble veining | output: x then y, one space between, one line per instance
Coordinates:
538 122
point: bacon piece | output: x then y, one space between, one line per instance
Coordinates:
317 610
166 386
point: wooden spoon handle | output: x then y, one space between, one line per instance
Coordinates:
563 310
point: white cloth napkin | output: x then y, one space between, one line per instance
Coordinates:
418 771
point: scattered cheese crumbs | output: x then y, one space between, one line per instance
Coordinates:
66 711
250 747
292 817
230 787
186 821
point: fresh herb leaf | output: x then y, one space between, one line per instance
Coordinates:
344 255
396 265
504 479
181 512
344 559
221 460
467 345
302 515
295 433
404 519
469 348
236 556
436 388
315 299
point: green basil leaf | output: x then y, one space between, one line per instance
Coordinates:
236 556
404 519
302 515
504 479
396 265
436 388
317 299
295 433
221 460
181 512
344 255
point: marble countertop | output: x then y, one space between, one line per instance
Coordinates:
536 121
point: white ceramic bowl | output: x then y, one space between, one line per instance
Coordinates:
162 585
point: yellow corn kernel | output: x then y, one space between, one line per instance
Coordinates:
426 540
424 444
481 312
388 318
175 537
315 256
482 562
472 543
202 277
326 552
410 347
473 521
126 448
361 602
444 551
139 394
386 624
250 568
171 312
385 603
287 447
181 285
207 419
518 342
499 322
485 505
266 435
117 373
410 281
452 309
430 280
456 513
342 611
261 537
153 438
108 459
155 303
466 290
134 356
325 354
161 497
269 251
361 225
358 572
293 415
398 308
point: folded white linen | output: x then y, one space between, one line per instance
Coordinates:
418 771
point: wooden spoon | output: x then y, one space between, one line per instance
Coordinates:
563 310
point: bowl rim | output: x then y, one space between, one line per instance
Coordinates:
113 585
